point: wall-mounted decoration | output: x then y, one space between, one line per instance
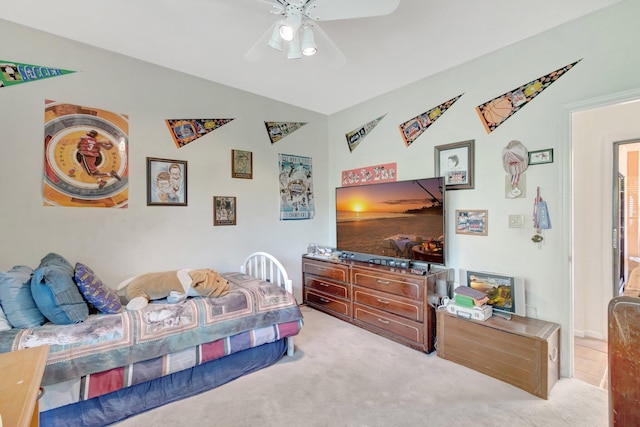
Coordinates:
166 182
14 73
494 112
413 128
224 210
515 189
541 219
278 130
515 160
369 175
296 187
455 163
85 157
356 136
241 164
184 131
475 223
540 157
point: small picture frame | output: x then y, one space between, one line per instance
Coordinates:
540 157
166 182
224 210
455 162
241 164
475 223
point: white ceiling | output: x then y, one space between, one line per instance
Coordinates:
208 39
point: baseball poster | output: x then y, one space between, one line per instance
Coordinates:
296 187
494 112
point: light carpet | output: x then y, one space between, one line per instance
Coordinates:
342 375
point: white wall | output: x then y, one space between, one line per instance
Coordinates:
122 243
607 42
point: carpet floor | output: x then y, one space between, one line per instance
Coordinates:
342 375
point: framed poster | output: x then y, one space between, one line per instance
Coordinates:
540 157
166 182
241 164
454 162
475 222
224 210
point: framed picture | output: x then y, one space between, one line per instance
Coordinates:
454 162
166 182
224 210
541 156
475 223
241 164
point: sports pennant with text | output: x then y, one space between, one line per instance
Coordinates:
184 131
278 130
413 128
494 112
14 73
356 136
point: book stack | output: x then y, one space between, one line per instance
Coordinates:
470 303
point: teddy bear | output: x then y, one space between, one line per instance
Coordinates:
174 285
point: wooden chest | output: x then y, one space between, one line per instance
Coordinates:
523 352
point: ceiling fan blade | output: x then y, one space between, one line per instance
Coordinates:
326 46
332 10
260 47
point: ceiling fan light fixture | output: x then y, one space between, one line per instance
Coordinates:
308 43
294 49
276 41
289 27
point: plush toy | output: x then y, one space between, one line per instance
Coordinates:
174 285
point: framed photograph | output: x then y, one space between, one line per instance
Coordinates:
454 162
224 210
166 182
540 157
241 164
475 223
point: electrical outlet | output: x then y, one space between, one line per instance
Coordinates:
516 221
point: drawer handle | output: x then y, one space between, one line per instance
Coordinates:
324 300
323 284
386 322
381 301
554 354
383 282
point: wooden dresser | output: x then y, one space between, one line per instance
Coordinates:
388 301
523 352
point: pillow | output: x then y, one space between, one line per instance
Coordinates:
4 322
15 296
55 292
102 297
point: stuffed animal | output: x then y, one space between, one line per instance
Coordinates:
174 285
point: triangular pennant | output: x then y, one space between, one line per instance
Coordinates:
278 130
14 73
412 129
494 112
356 136
184 131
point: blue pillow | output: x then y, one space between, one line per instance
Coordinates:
102 297
55 292
15 296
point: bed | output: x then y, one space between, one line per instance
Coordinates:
113 366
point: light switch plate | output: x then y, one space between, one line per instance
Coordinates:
516 221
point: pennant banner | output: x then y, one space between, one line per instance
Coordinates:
278 130
184 131
494 112
356 136
14 73
412 129
369 175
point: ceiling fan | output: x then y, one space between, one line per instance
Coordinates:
297 28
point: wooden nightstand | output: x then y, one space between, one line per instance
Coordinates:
19 386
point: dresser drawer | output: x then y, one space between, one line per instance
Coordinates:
405 307
338 289
331 271
393 283
395 325
326 302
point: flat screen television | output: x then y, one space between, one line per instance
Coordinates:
401 220
506 293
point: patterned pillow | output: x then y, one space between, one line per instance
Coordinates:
55 292
15 296
102 297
